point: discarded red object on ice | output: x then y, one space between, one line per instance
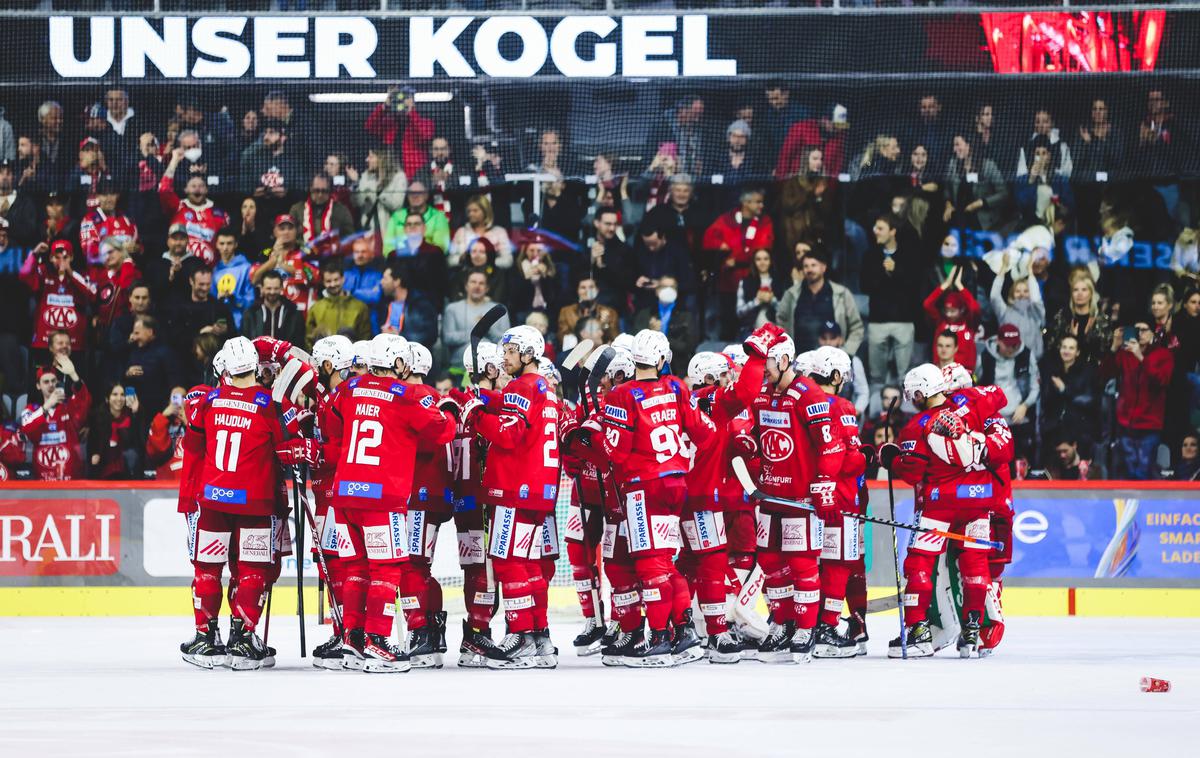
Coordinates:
1150 684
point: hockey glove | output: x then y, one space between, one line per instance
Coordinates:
948 424
469 410
763 338
588 431
299 450
745 445
869 453
888 453
965 451
449 405
821 493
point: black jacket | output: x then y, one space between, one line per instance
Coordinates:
285 323
894 297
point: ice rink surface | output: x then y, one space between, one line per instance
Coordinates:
1057 687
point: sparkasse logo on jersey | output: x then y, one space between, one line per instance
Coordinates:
59 537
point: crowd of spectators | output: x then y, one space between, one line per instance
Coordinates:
127 261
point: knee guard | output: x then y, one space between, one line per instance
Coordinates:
385 579
206 593
251 594
806 578
834 577
655 575
976 578
354 592
480 603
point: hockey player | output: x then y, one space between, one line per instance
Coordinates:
802 451
479 592
843 546
520 483
361 349
382 422
643 426
239 481
1001 451
940 451
718 527
332 358
624 633
428 508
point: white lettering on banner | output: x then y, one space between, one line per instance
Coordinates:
329 47
49 546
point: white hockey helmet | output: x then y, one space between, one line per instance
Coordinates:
240 356
805 363
957 377
527 339
737 354
705 364
489 355
361 351
624 341
548 370
650 347
422 359
623 362
926 379
218 363
783 352
386 349
337 349
827 359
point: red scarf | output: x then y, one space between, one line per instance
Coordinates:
326 217
749 229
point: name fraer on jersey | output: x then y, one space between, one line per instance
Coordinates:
645 421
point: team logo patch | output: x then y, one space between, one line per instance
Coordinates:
908 445
817 409
513 399
371 490
214 394
973 491
262 399
637 394
541 386
616 412
777 446
397 389
848 420
427 401
549 491
523 493
775 419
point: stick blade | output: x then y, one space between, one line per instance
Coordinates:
742 472
577 354
600 368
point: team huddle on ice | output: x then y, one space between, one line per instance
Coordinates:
649 461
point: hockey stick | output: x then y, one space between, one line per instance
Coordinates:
570 368
298 484
478 332
334 609
895 540
743 475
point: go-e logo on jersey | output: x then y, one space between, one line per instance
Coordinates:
973 491
777 446
224 495
372 490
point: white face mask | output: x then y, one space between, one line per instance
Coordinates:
668 295
949 250
414 240
589 295
193 154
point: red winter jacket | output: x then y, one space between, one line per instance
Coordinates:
964 327
743 237
1142 398
384 123
806 134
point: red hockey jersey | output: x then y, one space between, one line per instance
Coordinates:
382 423
98 226
62 303
242 428
522 460
191 452
854 463
55 436
799 439
202 221
711 483
432 476
645 421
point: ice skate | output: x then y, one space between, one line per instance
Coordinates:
968 638
589 639
420 649
205 649
247 651
547 653
517 650
381 656
686 645
802 643
622 647
476 644
724 648
352 650
920 642
328 655
829 643
611 632
653 652
236 629
857 631
776 646
438 622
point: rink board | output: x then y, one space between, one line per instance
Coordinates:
1085 549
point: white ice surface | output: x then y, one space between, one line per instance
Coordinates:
1057 687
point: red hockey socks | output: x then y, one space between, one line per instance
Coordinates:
710 590
479 601
777 586
587 584
681 598
976 576
540 574
252 592
513 575
834 577
381 597
413 582
918 588
655 574
354 593
806 578
336 579
856 592
206 593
